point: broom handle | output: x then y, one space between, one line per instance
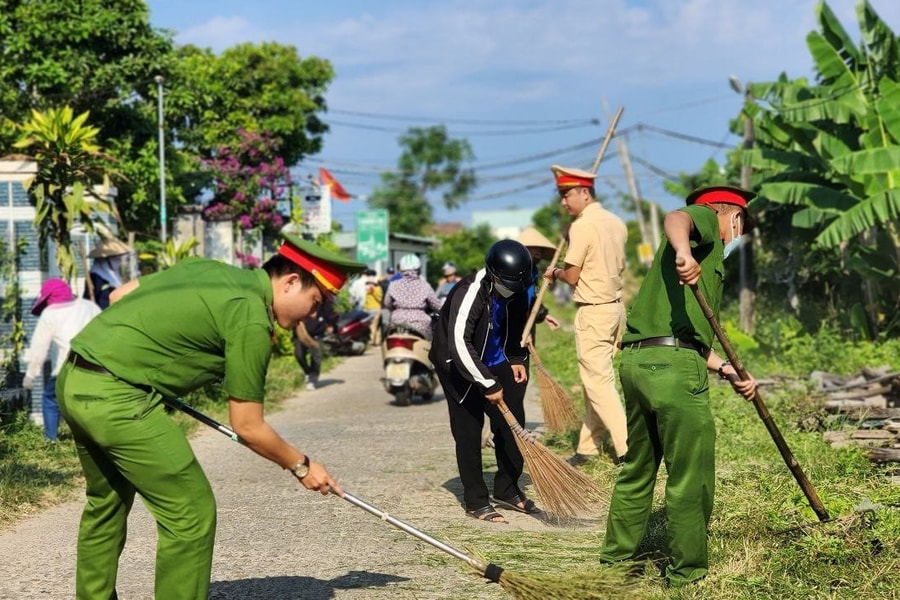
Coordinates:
610 132
763 411
477 564
532 316
517 429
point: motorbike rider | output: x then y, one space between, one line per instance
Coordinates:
410 299
480 361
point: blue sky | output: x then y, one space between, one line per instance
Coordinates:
521 79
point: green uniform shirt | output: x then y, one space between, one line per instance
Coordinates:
186 327
664 307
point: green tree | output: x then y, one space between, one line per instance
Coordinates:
466 249
827 163
89 54
257 88
431 162
70 164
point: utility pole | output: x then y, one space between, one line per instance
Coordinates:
745 252
159 79
622 148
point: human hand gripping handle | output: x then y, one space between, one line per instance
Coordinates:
320 480
811 496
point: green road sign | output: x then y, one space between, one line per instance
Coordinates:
372 235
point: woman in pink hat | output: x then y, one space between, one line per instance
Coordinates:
60 316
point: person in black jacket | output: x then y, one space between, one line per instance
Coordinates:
479 360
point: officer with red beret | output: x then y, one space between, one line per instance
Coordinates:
666 356
164 335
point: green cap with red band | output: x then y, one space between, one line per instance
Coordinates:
329 268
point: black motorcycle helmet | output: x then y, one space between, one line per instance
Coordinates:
508 264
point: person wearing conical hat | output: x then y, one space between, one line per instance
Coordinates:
163 336
594 266
540 249
106 270
666 357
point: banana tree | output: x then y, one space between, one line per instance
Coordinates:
827 160
70 165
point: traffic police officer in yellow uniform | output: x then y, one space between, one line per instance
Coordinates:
663 369
594 266
165 335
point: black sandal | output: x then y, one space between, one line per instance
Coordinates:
519 503
487 514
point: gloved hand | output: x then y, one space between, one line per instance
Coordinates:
28 383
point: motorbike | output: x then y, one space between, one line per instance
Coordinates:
351 334
407 370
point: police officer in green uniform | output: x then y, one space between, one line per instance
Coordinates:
666 356
167 334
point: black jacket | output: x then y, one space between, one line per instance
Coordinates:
460 336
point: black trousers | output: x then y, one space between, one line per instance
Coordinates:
466 424
309 359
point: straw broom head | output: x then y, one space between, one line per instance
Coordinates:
564 490
611 581
558 406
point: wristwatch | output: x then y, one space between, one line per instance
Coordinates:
301 469
721 370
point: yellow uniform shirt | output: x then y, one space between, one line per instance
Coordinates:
597 245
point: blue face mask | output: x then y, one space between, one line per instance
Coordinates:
735 241
731 246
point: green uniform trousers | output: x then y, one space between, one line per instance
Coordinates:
127 443
669 419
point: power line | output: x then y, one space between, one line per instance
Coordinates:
388 117
467 133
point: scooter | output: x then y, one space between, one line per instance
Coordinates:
407 370
351 335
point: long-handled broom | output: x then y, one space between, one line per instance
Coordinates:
811 496
593 585
557 404
564 490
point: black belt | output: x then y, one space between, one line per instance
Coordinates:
79 362
580 304
667 341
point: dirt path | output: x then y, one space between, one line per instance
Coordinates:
277 541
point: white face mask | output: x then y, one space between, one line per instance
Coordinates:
735 242
503 290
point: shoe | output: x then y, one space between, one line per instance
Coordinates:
577 460
310 386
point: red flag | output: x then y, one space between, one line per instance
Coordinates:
337 190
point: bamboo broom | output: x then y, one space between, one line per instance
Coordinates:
595 585
564 490
557 404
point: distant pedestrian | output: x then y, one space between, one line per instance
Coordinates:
594 267
307 340
106 271
60 317
446 283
